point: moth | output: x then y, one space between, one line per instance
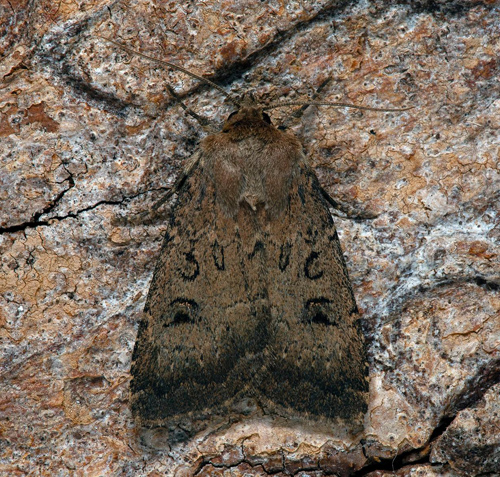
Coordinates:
250 298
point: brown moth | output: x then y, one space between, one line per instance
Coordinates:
251 299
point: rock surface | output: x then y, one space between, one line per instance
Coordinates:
471 444
89 135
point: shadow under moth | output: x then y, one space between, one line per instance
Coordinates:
250 300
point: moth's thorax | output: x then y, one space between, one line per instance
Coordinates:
251 164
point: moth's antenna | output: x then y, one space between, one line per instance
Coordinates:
173 66
325 103
204 122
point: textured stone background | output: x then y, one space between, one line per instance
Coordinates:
89 134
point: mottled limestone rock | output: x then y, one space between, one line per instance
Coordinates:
471 444
419 470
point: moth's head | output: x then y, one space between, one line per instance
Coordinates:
250 113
